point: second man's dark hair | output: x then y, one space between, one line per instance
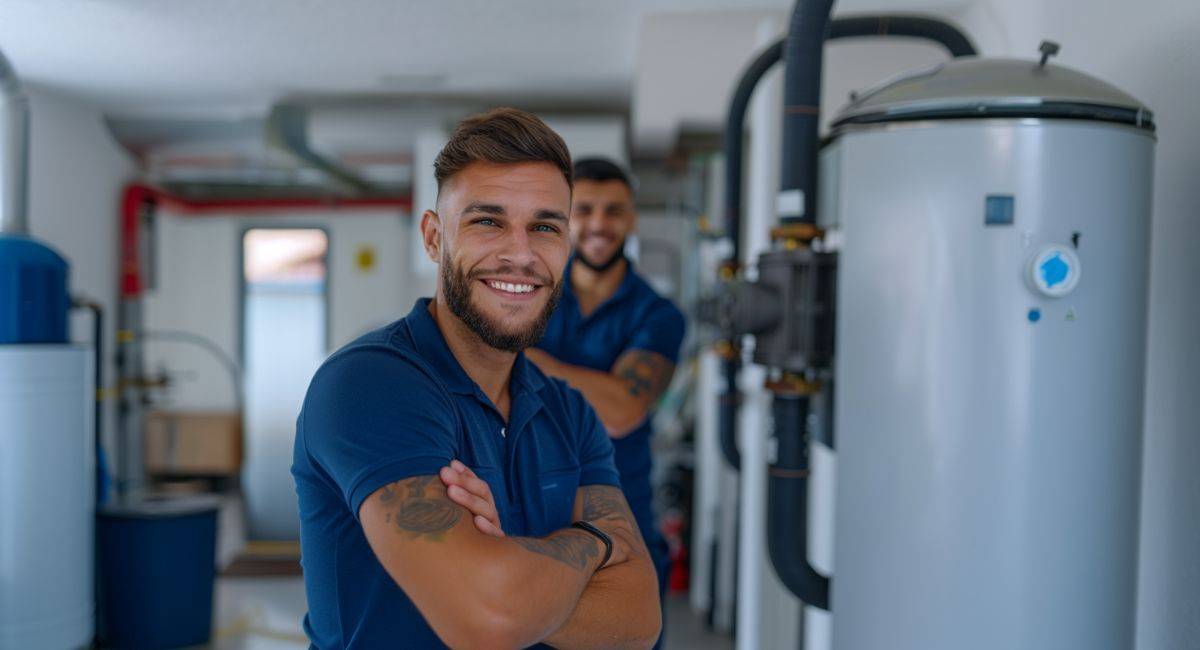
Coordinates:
601 170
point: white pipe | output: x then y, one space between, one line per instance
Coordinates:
724 614
708 470
14 152
818 623
762 180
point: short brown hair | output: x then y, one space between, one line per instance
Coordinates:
502 135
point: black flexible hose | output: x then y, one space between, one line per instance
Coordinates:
930 29
787 503
734 130
803 56
97 312
727 421
735 123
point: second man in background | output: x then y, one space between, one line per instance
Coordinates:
612 336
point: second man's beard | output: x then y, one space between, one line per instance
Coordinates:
457 285
607 264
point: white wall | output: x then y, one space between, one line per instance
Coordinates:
687 68
198 289
592 135
76 176
689 63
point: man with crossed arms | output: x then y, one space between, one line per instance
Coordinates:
451 494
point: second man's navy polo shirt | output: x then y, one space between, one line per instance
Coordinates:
634 318
396 404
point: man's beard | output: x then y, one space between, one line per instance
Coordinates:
606 264
457 286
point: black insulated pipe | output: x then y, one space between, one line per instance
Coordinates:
97 312
803 55
735 124
930 29
787 503
727 422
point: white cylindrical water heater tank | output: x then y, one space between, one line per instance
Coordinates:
47 497
991 327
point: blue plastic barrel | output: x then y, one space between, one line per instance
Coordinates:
33 292
156 563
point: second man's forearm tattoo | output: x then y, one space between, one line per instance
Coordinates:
645 373
414 507
574 549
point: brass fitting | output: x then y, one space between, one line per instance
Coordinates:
725 349
795 235
792 384
728 270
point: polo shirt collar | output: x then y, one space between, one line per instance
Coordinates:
431 345
624 289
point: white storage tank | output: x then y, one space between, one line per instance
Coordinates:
994 219
47 497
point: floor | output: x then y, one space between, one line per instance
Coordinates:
265 613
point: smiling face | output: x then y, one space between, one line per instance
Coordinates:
500 238
602 216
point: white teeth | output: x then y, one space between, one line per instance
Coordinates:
510 287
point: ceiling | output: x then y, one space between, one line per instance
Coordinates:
232 58
186 85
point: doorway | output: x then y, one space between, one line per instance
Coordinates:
285 335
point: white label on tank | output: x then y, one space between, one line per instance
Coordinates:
790 203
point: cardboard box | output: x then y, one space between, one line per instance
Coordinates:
193 443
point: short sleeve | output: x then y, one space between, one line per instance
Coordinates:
596 463
372 417
661 332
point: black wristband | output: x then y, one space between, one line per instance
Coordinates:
585 526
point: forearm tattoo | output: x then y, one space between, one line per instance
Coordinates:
646 374
602 502
575 549
419 506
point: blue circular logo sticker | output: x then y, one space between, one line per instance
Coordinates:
1054 271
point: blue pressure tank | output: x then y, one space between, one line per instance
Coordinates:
34 300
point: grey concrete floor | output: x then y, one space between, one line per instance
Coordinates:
265 613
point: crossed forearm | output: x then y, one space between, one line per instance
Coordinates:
543 580
476 590
618 609
620 606
614 607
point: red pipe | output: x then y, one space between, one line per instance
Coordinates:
136 196
139 196
193 206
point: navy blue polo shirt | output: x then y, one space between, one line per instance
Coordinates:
635 317
396 404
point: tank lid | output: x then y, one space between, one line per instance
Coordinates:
971 87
